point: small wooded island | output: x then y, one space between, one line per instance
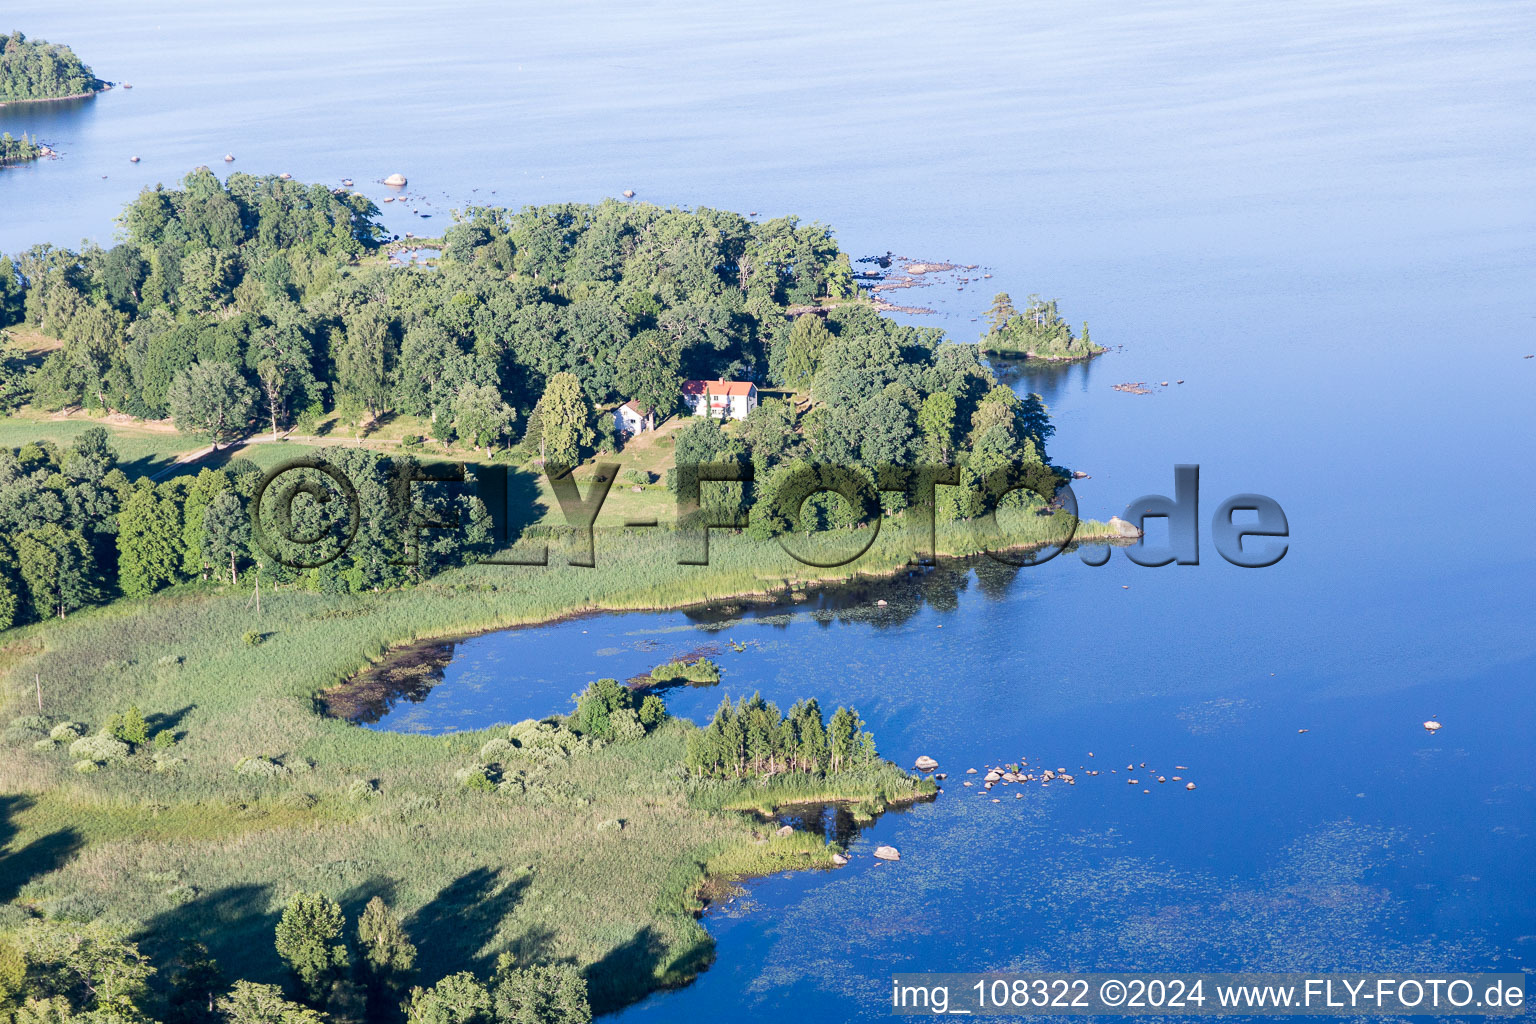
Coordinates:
1039 332
35 69
18 151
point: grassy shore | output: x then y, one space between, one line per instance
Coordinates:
602 860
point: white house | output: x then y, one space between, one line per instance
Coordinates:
632 418
720 398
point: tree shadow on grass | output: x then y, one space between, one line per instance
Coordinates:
162 721
236 923
455 925
355 899
146 465
35 859
511 495
635 968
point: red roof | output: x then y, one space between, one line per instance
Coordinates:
718 387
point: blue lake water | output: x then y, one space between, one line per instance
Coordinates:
1320 216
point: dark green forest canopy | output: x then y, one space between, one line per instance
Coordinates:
33 69
262 304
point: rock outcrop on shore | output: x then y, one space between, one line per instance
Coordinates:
1123 528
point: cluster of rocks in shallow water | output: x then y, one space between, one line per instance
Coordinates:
1020 773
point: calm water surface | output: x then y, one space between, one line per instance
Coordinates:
1318 215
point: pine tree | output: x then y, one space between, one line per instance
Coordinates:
842 739
1001 312
132 729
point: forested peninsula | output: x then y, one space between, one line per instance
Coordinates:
259 304
34 69
188 839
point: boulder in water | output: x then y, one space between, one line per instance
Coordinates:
1123 528
397 180
887 853
926 763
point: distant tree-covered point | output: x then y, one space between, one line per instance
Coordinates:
34 69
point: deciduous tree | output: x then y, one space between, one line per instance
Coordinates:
309 941
148 543
211 399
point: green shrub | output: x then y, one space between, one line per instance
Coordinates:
165 739
30 723
624 726
476 778
699 672
412 806
46 743
545 741
253 638
260 767
99 748
66 732
456 999
75 907
653 711
496 750
411 441
362 789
